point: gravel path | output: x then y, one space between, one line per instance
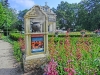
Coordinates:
8 64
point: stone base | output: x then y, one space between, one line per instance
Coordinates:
32 64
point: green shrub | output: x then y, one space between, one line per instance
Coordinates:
74 35
17 51
16 36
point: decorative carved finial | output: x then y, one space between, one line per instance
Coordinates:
45 3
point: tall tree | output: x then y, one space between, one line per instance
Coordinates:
88 14
84 15
2 15
66 14
20 22
8 16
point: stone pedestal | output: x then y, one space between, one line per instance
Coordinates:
30 65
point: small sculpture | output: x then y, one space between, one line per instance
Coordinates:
36 26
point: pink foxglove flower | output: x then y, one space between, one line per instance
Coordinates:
50 69
70 71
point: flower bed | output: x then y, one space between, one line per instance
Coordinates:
74 56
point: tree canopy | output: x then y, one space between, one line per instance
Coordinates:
83 15
8 16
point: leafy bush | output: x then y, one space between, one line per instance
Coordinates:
17 51
72 35
16 36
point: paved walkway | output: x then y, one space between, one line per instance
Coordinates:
8 64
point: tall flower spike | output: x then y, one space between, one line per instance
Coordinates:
50 69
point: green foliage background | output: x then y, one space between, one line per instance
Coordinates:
82 15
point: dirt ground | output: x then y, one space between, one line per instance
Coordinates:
8 64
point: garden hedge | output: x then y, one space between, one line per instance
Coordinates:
16 36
